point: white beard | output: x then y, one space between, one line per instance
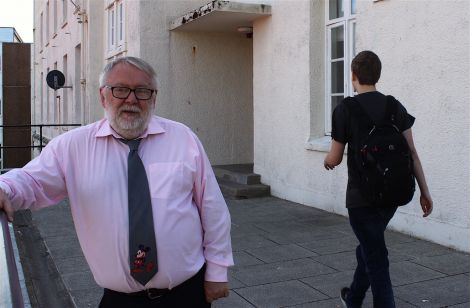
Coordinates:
129 129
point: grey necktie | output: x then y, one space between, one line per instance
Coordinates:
142 244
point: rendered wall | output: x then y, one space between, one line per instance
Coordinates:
425 54
205 79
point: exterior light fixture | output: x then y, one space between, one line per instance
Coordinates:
248 31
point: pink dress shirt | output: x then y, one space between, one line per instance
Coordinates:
89 165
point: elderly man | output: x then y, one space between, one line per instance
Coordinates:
149 215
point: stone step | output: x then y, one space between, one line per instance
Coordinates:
242 191
241 174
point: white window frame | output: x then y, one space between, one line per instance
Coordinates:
347 21
115 27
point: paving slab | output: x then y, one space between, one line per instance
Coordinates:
406 272
233 301
332 246
450 264
243 258
281 253
419 249
441 292
280 294
281 271
251 242
304 236
331 283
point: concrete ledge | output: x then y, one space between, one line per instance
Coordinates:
220 16
321 144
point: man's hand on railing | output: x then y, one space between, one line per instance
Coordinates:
5 205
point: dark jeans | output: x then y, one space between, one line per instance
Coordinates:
369 223
190 294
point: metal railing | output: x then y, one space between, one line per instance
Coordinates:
41 137
10 289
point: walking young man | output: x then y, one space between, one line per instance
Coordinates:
369 219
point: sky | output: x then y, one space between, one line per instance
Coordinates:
18 14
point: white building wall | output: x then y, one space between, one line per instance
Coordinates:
425 56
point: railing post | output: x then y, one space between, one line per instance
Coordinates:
40 138
10 289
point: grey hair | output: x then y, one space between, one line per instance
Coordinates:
137 62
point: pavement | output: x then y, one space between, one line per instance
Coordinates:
286 255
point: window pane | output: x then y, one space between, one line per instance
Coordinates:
353 6
336 9
354 39
337 42
335 100
337 77
120 22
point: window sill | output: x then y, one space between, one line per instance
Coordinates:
116 51
321 144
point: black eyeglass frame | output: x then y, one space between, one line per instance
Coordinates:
130 91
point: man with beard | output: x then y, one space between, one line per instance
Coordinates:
185 255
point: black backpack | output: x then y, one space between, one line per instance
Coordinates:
383 157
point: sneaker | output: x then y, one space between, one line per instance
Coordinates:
344 292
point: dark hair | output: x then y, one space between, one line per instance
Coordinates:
367 67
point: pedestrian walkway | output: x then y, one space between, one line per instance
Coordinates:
286 255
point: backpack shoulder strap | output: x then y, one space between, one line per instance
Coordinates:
390 111
357 111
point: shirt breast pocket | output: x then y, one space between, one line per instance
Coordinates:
167 180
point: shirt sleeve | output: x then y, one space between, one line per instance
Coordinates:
215 219
339 123
404 119
38 184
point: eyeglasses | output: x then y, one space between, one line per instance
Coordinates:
124 92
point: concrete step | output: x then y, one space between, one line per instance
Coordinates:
241 174
242 191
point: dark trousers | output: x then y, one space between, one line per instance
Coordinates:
369 223
189 294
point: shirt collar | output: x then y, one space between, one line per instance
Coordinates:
105 129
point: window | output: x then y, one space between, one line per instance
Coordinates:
55 16
64 11
47 22
77 111
120 23
41 32
116 25
340 49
